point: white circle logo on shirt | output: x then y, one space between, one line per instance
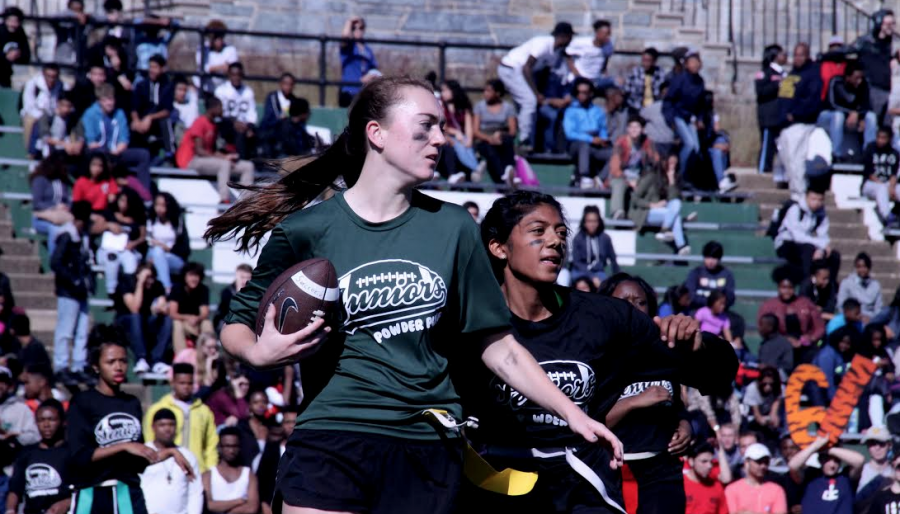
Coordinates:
117 427
41 480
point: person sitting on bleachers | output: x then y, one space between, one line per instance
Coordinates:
185 109
14 48
881 162
458 160
644 83
198 152
585 127
124 238
238 127
847 108
874 54
889 317
718 143
833 62
293 137
655 125
798 318
189 307
656 201
495 132
168 239
851 315
60 132
106 131
151 107
616 113
142 311
84 94
119 73
711 276
39 99
632 154
241 276
218 57
51 196
862 287
592 249
684 108
803 234
276 107
774 349
97 188
821 289
152 38
33 351
557 96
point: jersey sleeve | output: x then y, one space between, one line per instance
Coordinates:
481 306
277 256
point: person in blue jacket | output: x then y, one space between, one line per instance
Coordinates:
276 107
800 93
684 107
106 130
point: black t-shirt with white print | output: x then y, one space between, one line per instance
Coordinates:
881 162
99 421
41 477
885 502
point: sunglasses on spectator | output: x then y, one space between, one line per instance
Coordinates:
763 461
877 443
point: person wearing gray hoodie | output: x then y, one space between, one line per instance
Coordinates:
16 419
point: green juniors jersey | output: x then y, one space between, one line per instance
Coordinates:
413 289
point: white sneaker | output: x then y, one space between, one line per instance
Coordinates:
161 368
684 250
141 366
436 176
619 215
587 183
692 216
456 178
726 185
479 171
508 174
665 236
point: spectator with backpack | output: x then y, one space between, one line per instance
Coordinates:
800 229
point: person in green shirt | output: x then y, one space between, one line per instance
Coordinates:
415 286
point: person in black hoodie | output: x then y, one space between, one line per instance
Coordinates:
800 92
42 476
14 47
874 54
768 115
104 434
591 346
821 289
151 105
275 109
684 108
847 108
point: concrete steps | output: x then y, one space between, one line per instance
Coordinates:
20 247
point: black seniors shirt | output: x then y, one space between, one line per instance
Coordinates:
99 421
41 477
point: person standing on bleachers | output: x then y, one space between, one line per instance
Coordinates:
803 234
198 152
84 94
586 130
358 62
847 108
495 125
643 86
768 115
150 109
39 99
874 54
591 54
238 127
215 57
517 69
14 48
165 491
881 162
106 131
799 103
684 108
861 286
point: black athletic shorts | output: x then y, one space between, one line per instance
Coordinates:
368 474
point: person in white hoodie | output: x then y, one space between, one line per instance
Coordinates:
39 98
239 111
803 234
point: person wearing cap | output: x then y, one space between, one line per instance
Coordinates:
768 116
754 494
13 43
517 69
704 494
887 499
166 489
847 109
878 443
828 489
874 54
685 108
195 423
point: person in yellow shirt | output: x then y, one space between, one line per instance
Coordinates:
195 425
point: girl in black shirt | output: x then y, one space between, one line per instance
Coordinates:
104 434
591 347
41 477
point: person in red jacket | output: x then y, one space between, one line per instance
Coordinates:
704 493
799 320
99 188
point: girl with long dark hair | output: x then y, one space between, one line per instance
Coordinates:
592 248
168 239
104 435
460 132
363 426
591 346
51 197
126 219
656 201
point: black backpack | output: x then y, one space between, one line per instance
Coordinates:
778 218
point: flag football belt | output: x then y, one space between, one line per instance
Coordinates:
121 498
512 482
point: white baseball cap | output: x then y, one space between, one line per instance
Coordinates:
757 451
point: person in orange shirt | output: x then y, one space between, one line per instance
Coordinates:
754 494
704 494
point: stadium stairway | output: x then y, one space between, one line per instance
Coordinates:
849 235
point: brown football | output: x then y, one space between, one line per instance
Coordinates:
304 291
